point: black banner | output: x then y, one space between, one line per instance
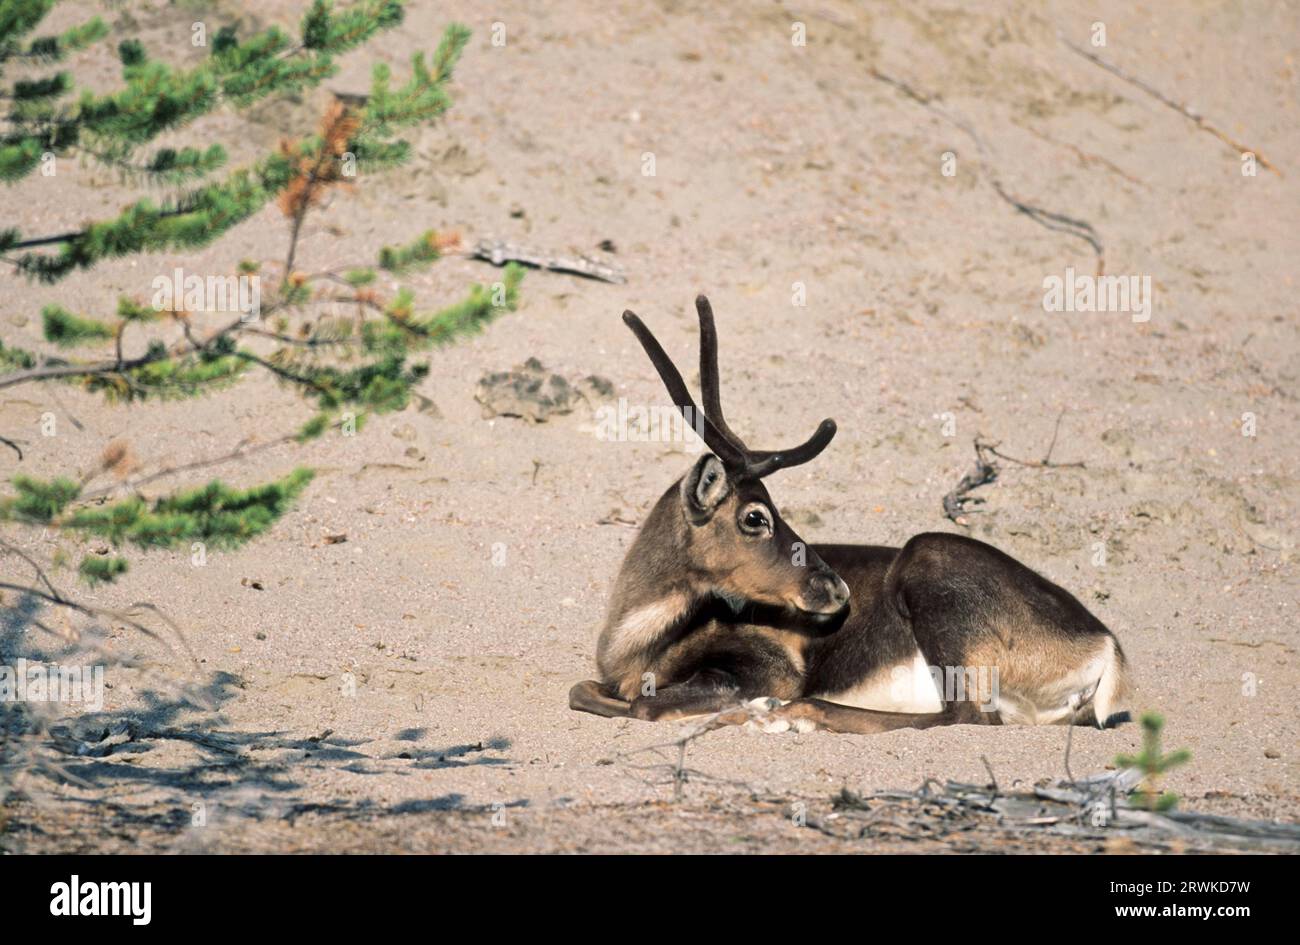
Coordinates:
142 894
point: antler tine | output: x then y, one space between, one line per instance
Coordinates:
764 463
730 454
710 383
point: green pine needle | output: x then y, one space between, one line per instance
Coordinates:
400 259
16 359
314 427
67 330
100 570
38 502
217 515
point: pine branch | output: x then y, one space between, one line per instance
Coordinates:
19 19
360 365
220 517
205 214
158 98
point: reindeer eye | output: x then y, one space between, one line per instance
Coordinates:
754 520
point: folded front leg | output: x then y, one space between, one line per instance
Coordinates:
705 693
699 695
833 717
598 699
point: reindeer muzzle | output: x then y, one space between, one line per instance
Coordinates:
825 594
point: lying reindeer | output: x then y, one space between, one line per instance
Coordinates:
719 602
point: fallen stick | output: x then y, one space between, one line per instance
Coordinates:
1197 119
500 252
755 711
1080 229
985 471
1093 808
1086 158
1046 461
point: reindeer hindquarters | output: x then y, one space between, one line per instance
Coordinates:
1032 653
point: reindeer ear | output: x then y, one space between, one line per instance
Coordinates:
704 488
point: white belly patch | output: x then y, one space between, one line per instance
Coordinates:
903 687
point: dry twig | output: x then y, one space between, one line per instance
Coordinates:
956 502
500 252
677 772
1061 223
1165 100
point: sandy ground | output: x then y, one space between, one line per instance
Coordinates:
774 164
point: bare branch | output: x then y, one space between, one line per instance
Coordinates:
1080 229
1165 100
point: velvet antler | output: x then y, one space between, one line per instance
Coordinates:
717 435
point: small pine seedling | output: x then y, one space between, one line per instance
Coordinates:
1152 763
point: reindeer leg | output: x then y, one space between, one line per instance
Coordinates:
705 693
598 699
832 717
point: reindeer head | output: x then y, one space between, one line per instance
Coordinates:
735 540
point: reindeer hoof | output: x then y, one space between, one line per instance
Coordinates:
776 717
798 716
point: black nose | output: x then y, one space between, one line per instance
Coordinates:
827 591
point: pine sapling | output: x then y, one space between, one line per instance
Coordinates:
1153 764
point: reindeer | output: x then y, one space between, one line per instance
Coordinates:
719 602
